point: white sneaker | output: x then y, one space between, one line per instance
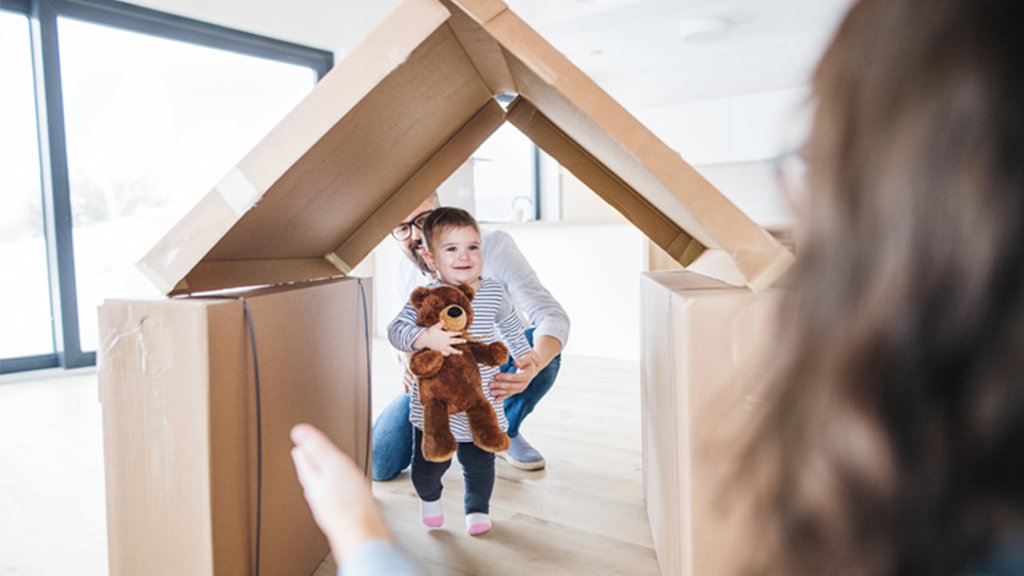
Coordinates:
522 455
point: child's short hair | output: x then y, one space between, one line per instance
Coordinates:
446 218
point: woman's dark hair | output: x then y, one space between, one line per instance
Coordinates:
446 218
893 437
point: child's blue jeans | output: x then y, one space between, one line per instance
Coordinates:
392 431
477 474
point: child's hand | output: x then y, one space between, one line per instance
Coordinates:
435 338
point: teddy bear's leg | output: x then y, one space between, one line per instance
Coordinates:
483 423
438 441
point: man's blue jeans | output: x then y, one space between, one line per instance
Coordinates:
393 433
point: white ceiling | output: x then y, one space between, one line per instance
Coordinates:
633 48
636 50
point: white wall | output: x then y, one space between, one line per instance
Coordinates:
592 269
733 141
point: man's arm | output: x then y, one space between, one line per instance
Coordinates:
504 262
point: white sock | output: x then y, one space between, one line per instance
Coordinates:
478 523
432 513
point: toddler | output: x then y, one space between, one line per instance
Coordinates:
453 250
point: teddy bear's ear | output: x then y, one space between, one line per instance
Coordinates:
467 290
418 295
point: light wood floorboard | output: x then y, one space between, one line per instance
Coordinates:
584 514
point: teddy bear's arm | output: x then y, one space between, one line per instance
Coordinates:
426 363
493 354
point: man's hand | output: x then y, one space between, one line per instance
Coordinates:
435 338
511 383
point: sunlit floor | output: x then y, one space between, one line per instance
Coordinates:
582 515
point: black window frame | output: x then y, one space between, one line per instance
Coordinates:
57 214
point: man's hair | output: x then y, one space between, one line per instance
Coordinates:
444 219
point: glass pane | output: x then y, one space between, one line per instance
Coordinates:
503 187
25 321
152 125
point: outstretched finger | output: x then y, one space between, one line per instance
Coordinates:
316 448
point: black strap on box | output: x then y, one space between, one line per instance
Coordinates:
259 409
259 432
369 374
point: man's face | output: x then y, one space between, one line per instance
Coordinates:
412 246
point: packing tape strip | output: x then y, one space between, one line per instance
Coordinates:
162 284
337 262
773 271
236 189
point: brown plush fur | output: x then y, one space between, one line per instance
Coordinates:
448 385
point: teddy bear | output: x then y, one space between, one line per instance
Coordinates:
452 384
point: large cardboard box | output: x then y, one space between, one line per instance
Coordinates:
198 398
705 348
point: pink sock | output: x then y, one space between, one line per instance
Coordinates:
478 523
432 513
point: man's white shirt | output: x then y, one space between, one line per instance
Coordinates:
505 263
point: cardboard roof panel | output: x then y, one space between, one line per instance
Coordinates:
605 183
424 182
620 144
397 116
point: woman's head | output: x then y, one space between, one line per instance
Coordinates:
896 414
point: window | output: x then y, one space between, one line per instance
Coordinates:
139 113
24 293
500 182
144 147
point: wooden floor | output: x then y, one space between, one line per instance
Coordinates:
582 515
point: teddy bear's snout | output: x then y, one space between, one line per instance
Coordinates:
455 317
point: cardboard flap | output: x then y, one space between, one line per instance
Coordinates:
397 116
604 182
657 185
319 176
423 183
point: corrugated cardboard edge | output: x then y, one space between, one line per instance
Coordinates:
656 304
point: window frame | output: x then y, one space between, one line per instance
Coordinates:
57 213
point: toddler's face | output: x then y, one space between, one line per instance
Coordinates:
458 256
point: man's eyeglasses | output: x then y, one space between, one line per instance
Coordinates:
403 231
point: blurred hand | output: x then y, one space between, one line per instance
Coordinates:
336 491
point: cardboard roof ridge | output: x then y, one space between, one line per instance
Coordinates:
398 115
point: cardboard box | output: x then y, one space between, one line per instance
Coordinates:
397 116
194 468
380 132
705 347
